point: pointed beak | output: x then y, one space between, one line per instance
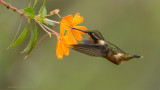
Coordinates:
81 30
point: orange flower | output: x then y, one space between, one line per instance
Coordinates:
68 23
62 47
71 35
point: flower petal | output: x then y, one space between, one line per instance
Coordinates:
77 19
77 34
62 30
70 39
64 24
59 52
69 19
65 50
64 45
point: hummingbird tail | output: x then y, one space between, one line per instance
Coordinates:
136 56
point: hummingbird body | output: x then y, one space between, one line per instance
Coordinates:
102 48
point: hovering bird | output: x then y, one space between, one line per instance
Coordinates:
99 47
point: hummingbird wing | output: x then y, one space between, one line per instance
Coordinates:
91 49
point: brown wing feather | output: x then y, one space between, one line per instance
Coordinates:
90 49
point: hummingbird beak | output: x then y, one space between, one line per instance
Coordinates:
81 30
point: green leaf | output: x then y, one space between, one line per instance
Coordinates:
16 34
32 42
35 3
43 10
30 12
29 4
22 37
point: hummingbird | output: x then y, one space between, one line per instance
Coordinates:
99 47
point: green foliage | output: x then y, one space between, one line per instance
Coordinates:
35 3
22 37
32 42
30 12
43 11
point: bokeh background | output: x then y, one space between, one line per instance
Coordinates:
133 25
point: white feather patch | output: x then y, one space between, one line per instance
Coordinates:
101 42
118 55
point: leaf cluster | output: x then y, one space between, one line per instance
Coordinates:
30 12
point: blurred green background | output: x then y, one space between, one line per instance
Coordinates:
133 25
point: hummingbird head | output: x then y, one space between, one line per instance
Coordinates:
94 35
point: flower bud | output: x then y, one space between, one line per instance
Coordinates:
56 11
